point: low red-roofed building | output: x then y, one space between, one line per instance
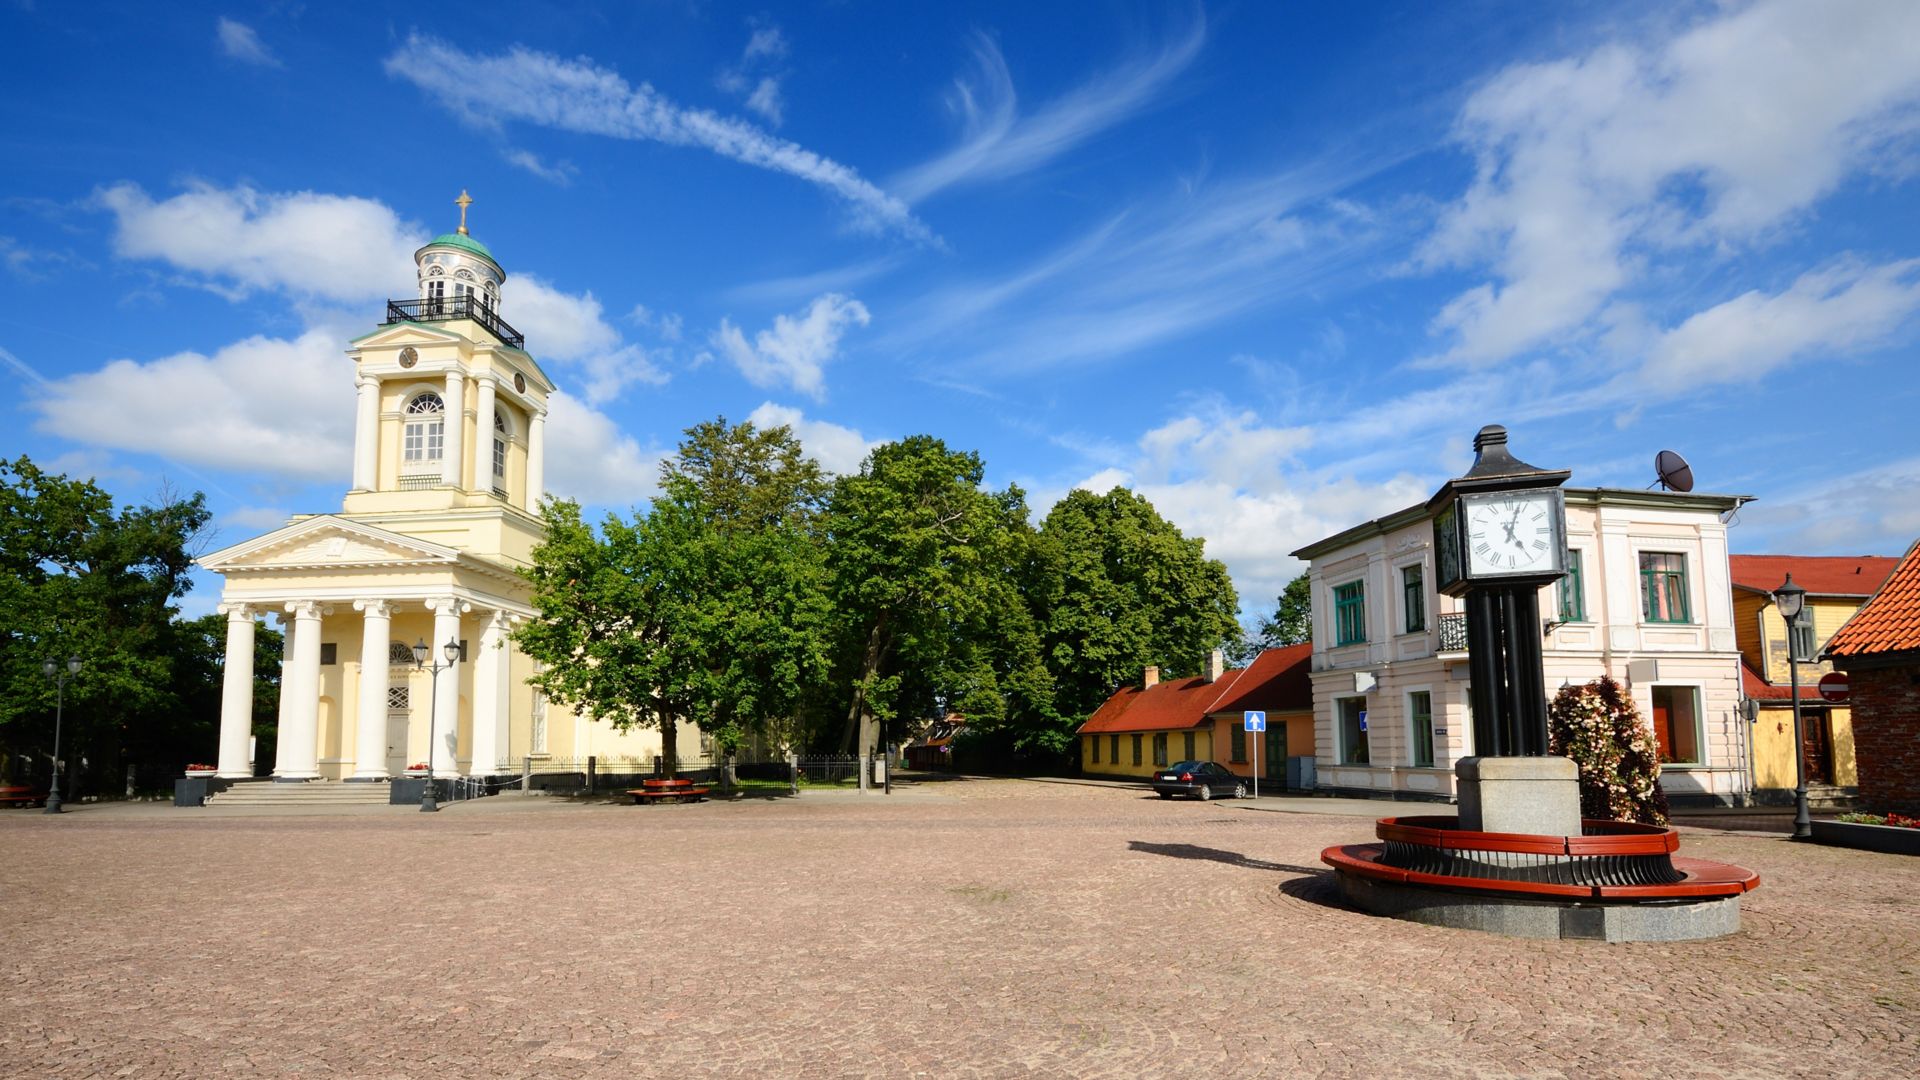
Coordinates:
1836 587
1879 649
1153 724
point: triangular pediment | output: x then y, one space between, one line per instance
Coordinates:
327 541
405 333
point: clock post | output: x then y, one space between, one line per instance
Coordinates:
1499 536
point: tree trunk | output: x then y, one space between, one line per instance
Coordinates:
670 744
858 713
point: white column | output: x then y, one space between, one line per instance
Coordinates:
445 694
366 435
536 460
285 707
483 437
300 727
490 694
236 693
456 429
370 732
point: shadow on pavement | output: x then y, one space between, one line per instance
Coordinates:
1231 858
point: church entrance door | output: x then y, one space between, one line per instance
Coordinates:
397 743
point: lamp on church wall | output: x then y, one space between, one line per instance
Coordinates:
420 653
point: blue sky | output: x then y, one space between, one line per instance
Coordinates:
1271 265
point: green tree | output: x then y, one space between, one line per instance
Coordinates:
1292 620
749 477
916 551
79 578
712 612
1129 591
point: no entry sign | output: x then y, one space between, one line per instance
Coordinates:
1834 687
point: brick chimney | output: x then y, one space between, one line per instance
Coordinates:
1151 679
1216 665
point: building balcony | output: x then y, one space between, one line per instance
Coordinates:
1453 632
462 306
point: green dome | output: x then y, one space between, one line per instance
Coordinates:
464 243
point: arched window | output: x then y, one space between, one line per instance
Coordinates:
436 290
499 450
399 652
491 297
424 440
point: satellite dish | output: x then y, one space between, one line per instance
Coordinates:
1675 473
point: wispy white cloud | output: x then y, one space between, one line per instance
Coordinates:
1863 512
572 330
577 95
1153 274
239 42
272 405
1243 484
794 351
838 449
1837 309
1593 172
592 460
997 141
334 247
560 172
753 79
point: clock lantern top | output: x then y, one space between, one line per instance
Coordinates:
1503 523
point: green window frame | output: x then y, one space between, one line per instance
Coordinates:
1677 731
1350 613
1420 717
1237 743
1353 740
1413 592
1663 587
1160 748
1113 749
1136 751
1186 743
1573 590
1094 742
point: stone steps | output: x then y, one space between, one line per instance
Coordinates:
311 793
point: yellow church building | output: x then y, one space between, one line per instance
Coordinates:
448 466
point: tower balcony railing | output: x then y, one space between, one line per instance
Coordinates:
462 306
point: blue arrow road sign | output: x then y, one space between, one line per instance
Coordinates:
1363 719
1256 721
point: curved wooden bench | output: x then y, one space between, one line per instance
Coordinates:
1704 879
660 790
18 795
1603 838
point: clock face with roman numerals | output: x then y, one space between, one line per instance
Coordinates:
1512 533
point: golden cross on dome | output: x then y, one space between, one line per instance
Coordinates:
465 200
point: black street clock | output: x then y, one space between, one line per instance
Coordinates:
1499 534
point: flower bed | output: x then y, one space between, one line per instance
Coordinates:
1894 834
202 770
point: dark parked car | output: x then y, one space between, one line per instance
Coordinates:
1200 779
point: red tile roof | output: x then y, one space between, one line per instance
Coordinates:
1888 623
1755 686
1276 680
1849 575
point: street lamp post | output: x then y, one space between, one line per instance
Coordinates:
59 677
452 652
1789 599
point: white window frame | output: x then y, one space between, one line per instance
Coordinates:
432 449
1343 750
1699 690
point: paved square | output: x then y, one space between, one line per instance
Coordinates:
970 928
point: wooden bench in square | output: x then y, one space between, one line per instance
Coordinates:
18 795
653 791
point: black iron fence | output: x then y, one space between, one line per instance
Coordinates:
460 306
1453 632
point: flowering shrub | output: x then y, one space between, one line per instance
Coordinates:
1598 727
417 767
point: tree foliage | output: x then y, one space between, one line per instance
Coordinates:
1599 727
918 557
1292 620
697 610
80 578
1126 591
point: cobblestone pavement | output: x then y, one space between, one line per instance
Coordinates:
967 929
